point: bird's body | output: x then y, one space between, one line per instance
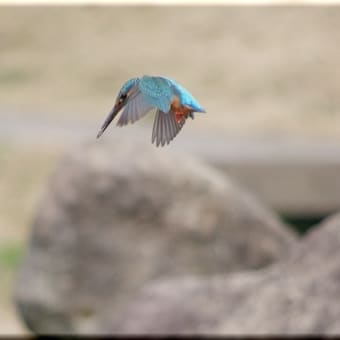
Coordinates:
172 103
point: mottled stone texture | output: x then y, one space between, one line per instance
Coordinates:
117 215
299 295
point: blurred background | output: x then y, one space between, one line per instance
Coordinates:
267 76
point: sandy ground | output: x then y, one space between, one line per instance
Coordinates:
10 322
258 71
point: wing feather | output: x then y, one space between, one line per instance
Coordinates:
135 109
165 128
168 129
166 137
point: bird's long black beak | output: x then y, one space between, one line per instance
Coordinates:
113 113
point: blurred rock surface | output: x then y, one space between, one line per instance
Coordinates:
117 215
299 295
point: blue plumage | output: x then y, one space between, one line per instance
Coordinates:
186 97
172 103
156 92
127 86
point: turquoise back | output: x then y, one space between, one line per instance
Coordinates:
156 92
185 96
160 91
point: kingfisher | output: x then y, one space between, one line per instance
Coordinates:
171 102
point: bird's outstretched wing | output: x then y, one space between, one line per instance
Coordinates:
149 93
136 108
165 128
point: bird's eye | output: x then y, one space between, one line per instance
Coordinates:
122 98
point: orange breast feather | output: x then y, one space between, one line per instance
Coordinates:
181 111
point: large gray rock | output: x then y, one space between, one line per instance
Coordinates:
118 215
299 295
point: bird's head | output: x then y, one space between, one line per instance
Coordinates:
123 96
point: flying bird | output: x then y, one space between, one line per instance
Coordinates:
171 102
